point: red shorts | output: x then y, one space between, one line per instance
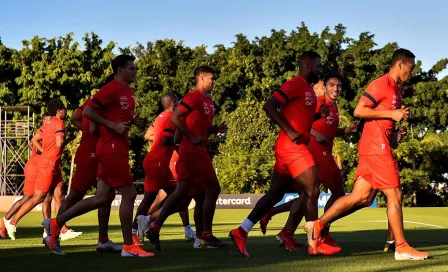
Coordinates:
48 178
156 183
30 172
329 173
381 171
197 169
114 170
293 161
84 177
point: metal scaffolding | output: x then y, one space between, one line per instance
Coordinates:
16 127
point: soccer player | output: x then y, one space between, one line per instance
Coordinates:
294 163
30 171
112 107
381 106
324 131
84 177
48 169
157 166
197 176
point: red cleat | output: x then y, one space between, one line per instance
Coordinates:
2 228
329 241
136 241
287 239
324 249
264 223
239 238
313 230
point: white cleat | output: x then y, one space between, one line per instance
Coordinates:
409 253
190 234
10 228
69 234
108 247
197 243
143 222
44 235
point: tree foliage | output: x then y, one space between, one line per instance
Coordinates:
248 72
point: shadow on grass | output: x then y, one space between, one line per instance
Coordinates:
361 249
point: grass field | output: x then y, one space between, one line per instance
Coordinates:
362 237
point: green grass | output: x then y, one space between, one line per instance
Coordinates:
361 238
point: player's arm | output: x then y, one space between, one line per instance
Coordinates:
178 137
320 138
36 141
91 114
175 119
364 109
69 139
218 129
169 132
149 135
398 136
323 112
271 108
341 132
76 119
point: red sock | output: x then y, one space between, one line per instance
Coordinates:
287 231
103 239
155 227
403 244
13 222
320 224
64 229
206 235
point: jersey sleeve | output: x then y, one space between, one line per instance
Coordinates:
188 102
318 105
287 91
40 130
81 108
59 128
374 94
169 129
104 97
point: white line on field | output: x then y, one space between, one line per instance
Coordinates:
412 222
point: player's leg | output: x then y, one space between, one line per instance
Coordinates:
279 181
141 221
390 242
190 234
128 195
46 206
198 219
171 206
395 216
285 207
59 198
158 202
12 211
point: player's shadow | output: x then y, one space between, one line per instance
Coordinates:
179 255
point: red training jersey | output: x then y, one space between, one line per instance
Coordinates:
33 148
328 127
51 152
87 146
298 108
381 94
198 121
160 154
115 102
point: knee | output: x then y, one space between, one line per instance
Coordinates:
129 196
364 201
215 190
312 192
38 198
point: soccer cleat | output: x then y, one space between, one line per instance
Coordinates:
52 240
57 247
108 247
70 234
197 243
239 238
294 242
2 228
154 237
330 241
264 223
212 242
324 249
409 253
190 234
389 247
143 222
44 234
134 251
10 228
287 239
313 229
135 240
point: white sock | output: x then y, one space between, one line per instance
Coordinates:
390 242
134 231
247 225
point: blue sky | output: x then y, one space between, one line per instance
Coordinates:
420 26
